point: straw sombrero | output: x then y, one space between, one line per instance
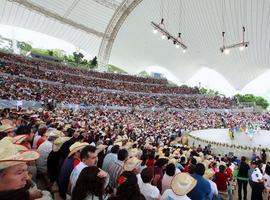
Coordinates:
182 184
133 152
6 128
77 146
13 154
101 147
209 173
18 139
132 163
59 142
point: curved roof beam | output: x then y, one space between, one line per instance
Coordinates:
112 4
112 29
57 17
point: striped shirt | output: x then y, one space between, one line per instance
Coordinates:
115 170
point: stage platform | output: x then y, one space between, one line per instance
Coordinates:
221 143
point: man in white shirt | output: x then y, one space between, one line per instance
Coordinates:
257 183
88 156
44 150
149 191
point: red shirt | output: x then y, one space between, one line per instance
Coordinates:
150 163
221 180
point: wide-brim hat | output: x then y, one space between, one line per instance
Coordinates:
209 173
77 146
6 128
132 163
101 147
133 152
14 154
18 139
182 184
59 142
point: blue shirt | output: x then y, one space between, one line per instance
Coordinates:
202 190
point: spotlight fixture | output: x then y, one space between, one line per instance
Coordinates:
177 41
242 45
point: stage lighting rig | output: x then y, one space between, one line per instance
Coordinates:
177 41
242 45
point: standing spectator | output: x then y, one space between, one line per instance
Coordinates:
257 183
170 171
117 167
149 191
110 158
90 186
69 164
202 190
13 171
160 165
242 178
127 187
263 156
222 179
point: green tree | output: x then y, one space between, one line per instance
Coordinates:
94 62
78 57
24 47
50 52
260 101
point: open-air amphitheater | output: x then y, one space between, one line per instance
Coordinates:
77 133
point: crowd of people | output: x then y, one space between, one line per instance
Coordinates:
47 71
106 154
122 155
24 89
23 79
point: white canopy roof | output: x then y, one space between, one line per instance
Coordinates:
92 25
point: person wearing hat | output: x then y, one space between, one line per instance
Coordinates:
257 182
69 164
6 130
181 185
44 149
54 158
149 191
13 171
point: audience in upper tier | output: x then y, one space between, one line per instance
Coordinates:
40 81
